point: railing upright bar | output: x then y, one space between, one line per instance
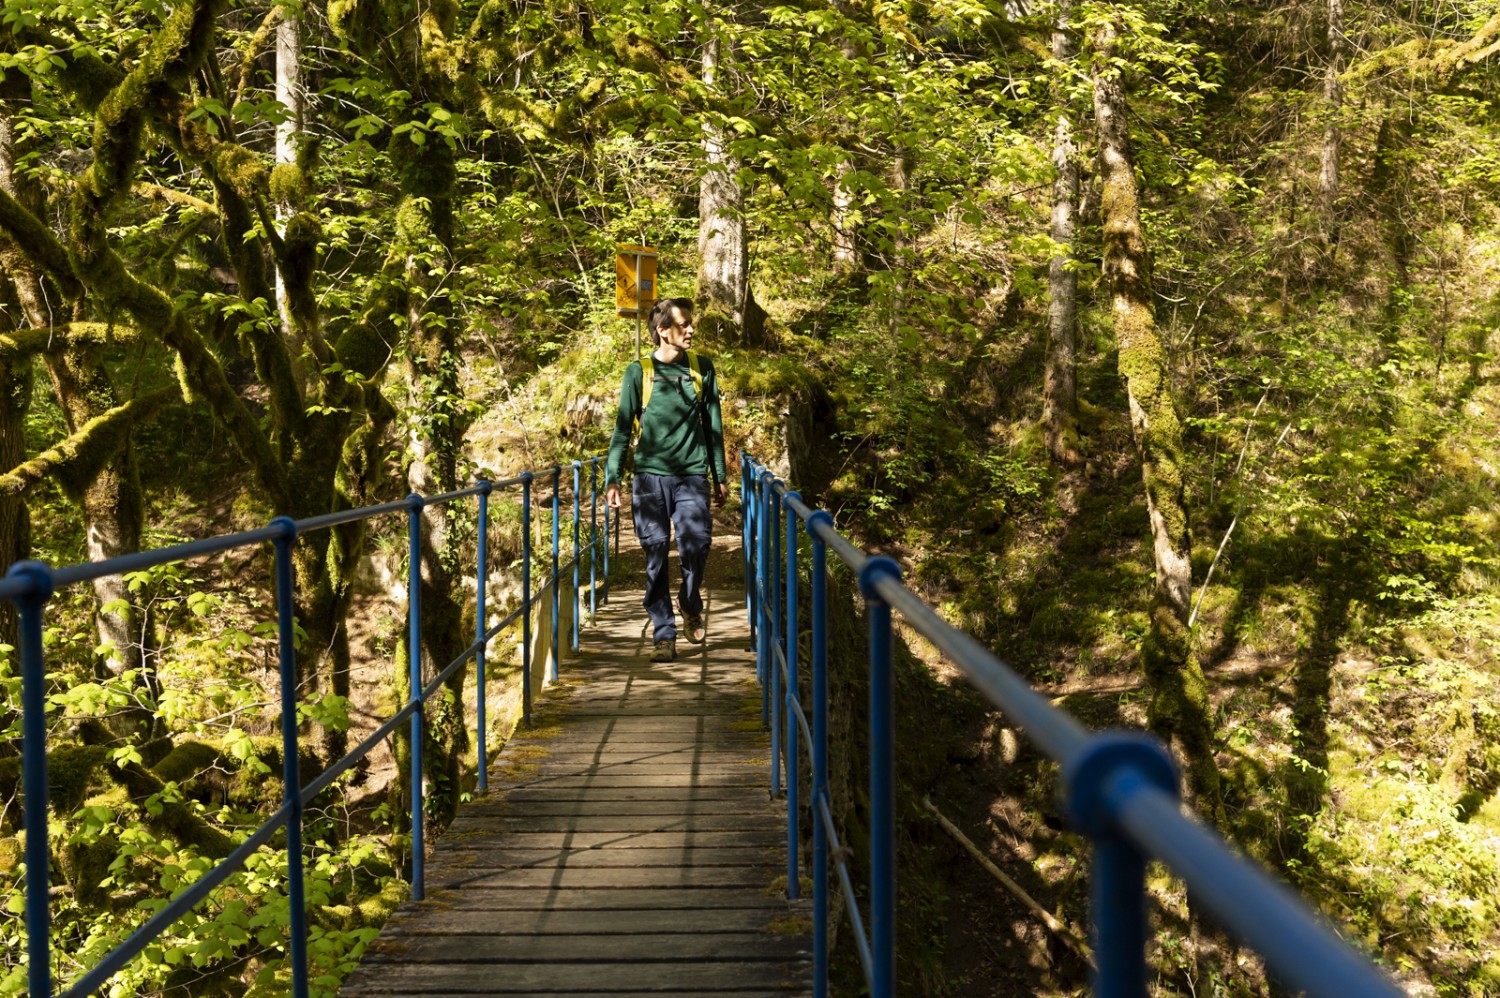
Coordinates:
577 489
819 573
793 834
414 655
556 582
594 538
30 585
604 595
773 547
882 778
526 480
1118 875
291 770
481 576
762 648
747 530
31 607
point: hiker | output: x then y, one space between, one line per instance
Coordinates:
680 448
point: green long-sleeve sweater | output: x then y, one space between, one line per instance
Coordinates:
672 440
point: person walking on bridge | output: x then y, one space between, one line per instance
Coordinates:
671 397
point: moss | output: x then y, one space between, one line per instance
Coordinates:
186 761
299 260
242 169
184 40
75 462
88 77
72 772
288 186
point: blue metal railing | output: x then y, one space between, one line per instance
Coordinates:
30 584
1119 788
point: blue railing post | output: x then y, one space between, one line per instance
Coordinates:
819 576
31 608
747 533
773 567
526 478
1108 767
414 651
556 582
481 576
762 558
593 538
291 770
793 888
882 777
577 490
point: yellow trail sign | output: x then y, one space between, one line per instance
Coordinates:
635 279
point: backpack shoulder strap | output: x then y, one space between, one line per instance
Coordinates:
648 375
695 366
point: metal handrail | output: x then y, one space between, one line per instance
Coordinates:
30 584
1120 788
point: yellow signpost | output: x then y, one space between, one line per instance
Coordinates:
635 284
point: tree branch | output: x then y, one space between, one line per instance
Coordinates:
76 462
26 342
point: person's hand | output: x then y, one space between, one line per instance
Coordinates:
722 495
612 496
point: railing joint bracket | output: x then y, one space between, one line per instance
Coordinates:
1088 775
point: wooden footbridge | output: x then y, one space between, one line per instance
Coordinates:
628 844
633 839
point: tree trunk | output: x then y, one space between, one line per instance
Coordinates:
289 94
898 262
15 392
845 255
724 295
15 519
434 440
112 505
113 511
1333 99
1060 391
1179 709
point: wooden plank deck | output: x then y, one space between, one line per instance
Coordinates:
628 845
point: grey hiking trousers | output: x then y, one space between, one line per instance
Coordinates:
658 503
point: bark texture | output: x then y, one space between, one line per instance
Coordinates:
724 295
289 94
15 385
1180 709
1060 389
1333 133
845 229
104 484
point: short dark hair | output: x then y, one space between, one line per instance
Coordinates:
661 315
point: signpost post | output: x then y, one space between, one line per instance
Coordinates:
635 284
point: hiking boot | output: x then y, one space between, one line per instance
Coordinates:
693 624
665 650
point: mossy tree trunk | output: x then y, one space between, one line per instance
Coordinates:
288 131
845 229
313 450
724 292
15 518
110 497
1180 709
15 380
1060 387
1333 131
